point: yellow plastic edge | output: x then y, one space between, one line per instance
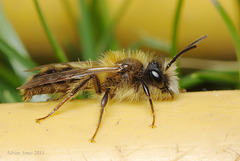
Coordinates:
194 126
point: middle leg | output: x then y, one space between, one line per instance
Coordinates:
103 105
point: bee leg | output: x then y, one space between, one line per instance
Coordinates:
97 84
103 104
71 94
146 90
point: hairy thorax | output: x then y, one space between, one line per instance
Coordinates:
126 85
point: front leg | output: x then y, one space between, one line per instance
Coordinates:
146 90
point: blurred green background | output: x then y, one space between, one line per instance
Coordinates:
39 32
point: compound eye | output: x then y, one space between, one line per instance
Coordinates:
155 74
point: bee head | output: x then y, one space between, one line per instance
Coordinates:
153 75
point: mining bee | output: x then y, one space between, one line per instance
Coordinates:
119 75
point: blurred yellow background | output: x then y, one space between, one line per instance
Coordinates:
152 18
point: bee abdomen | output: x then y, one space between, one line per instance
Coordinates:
59 87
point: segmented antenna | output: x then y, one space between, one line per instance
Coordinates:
189 47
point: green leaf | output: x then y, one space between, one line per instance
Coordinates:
8 93
216 77
176 28
150 42
232 30
12 47
107 38
56 47
86 32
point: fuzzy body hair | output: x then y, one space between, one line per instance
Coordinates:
128 93
118 75
125 91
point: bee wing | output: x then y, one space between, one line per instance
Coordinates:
53 65
67 75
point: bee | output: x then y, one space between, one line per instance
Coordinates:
117 75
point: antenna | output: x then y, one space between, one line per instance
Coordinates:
189 47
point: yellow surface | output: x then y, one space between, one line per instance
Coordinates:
195 126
